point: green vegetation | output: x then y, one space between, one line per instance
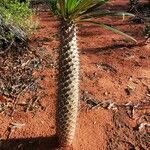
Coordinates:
17 14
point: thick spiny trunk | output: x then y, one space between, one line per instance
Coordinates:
68 84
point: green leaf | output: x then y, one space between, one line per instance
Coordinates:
101 13
86 6
98 3
82 6
53 6
102 25
61 7
71 5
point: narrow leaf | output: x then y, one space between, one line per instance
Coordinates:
111 29
101 13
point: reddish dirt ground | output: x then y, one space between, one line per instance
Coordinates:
115 93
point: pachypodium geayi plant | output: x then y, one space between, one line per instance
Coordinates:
70 13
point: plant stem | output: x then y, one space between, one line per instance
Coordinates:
68 84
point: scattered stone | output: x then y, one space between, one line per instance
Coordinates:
129 89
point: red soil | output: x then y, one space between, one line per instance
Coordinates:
112 69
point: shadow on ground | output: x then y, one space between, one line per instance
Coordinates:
113 47
39 143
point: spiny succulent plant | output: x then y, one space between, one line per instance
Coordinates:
70 13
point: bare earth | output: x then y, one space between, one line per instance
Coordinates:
114 111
